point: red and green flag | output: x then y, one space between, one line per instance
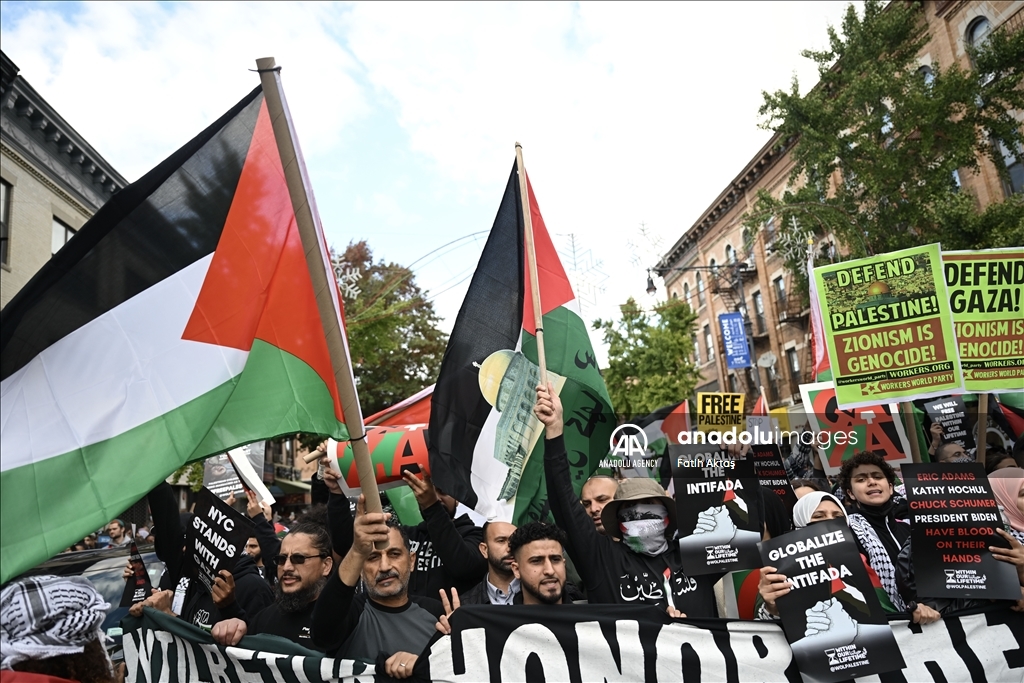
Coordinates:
486 445
181 321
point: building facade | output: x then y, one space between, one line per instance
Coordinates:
51 181
718 267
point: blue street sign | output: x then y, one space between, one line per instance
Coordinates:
737 353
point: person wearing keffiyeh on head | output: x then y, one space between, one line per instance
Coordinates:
50 632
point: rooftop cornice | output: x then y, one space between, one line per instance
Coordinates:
36 128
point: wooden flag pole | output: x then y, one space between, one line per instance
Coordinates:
982 444
911 426
324 288
531 263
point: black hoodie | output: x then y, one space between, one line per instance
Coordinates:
252 594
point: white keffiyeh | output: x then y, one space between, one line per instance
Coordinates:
48 616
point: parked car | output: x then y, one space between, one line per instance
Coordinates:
104 568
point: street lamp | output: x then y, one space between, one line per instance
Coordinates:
651 289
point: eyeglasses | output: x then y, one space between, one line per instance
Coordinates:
296 558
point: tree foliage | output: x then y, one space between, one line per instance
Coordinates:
877 142
650 357
393 338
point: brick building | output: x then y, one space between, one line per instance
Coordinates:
719 267
51 180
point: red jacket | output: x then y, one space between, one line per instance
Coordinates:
8 676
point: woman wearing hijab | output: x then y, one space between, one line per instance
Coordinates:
1008 487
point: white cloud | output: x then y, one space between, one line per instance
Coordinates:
139 80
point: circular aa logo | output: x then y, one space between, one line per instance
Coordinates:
628 441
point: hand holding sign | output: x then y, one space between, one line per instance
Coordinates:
223 592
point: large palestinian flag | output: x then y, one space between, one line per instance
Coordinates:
181 321
486 445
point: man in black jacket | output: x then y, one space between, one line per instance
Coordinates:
302 568
235 594
500 585
645 568
385 624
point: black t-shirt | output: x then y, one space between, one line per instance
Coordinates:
611 572
295 626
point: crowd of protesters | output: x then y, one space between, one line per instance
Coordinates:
358 585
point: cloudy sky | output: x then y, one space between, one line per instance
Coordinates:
633 117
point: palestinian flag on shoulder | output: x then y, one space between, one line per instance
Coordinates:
486 445
179 322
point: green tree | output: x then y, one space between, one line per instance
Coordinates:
877 142
393 338
650 356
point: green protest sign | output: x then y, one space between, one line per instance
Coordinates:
985 290
889 328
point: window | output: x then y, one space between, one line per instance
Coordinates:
686 293
1014 183
748 239
759 312
709 344
700 290
60 235
780 292
730 254
696 350
675 295
794 364
733 384
5 221
977 32
714 267
927 74
769 230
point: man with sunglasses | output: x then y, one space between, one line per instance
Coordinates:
302 567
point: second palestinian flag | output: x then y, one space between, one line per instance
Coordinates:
485 442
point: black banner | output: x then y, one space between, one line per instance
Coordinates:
137 587
719 510
953 518
951 413
216 537
579 643
832 617
772 473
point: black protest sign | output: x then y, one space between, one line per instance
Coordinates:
832 618
772 473
137 587
953 521
216 537
951 414
719 510
219 476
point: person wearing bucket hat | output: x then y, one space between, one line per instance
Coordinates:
645 567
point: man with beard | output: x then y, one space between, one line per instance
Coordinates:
383 625
252 549
500 586
303 566
538 563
